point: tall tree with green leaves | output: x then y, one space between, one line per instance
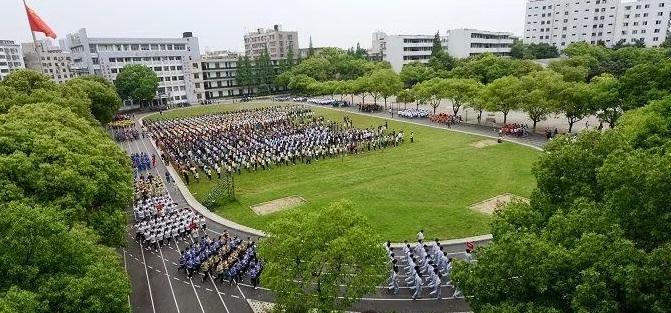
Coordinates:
431 92
405 96
575 101
137 82
311 49
386 83
461 91
606 98
437 45
50 155
264 73
593 238
290 58
26 86
244 74
542 91
50 266
324 261
105 101
503 95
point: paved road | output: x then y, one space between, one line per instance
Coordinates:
159 287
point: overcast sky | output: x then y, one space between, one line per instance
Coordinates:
220 24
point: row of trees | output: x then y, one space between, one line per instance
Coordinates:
595 236
495 84
64 189
533 51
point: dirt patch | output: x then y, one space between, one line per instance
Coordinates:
490 205
484 143
277 205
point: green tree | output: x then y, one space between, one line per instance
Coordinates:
461 91
264 73
414 73
25 81
317 67
105 101
606 101
290 58
386 83
406 96
503 95
324 261
487 67
301 83
49 266
437 45
593 238
50 155
42 90
541 96
137 82
520 51
575 101
311 49
431 92
667 41
245 74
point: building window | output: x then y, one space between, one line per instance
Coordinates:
660 13
655 38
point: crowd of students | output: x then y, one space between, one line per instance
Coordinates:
158 219
518 130
425 264
260 139
142 162
444 118
413 113
225 258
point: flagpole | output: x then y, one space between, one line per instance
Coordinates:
37 50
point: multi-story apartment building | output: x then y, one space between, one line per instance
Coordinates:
399 50
10 58
562 22
170 58
463 43
646 20
49 60
275 39
214 76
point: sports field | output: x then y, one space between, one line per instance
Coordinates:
428 184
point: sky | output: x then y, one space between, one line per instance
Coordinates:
221 24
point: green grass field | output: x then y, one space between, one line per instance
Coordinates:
428 184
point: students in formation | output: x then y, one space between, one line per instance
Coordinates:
260 139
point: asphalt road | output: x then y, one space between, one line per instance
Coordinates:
159 287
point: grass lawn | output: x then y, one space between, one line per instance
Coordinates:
428 184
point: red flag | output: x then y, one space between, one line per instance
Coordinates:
469 245
37 24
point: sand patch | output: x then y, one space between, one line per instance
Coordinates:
277 205
484 143
490 205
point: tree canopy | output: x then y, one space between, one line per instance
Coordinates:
533 51
595 236
49 155
49 266
105 102
325 260
137 82
64 189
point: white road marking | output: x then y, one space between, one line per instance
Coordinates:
153 308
